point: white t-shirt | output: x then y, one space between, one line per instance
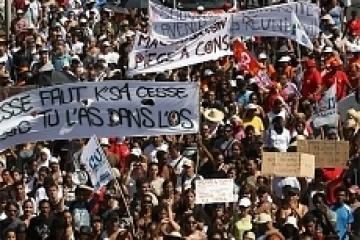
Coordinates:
150 151
279 183
185 182
179 162
272 115
278 141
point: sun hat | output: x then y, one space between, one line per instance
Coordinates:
214 115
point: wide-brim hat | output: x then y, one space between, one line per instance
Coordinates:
214 115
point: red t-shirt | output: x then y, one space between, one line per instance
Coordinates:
341 82
311 81
354 26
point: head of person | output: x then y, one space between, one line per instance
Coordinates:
190 223
189 168
279 123
45 208
85 233
28 207
319 201
96 224
12 210
309 224
244 207
264 222
10 234
341 194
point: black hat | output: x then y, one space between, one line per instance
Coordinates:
113 216
85 230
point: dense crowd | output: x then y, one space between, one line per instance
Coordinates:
45 195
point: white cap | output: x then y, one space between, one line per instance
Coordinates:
208 72
129 33
285 59
54 160
355 49
251 106
106 44
292 221
244 202
83 20
104 141
101 57
328 50
200 8
262 56
75 57
135 151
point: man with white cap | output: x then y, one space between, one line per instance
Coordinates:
269 68
242 221
188 177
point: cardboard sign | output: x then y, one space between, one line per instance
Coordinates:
288 164
327 153
214 191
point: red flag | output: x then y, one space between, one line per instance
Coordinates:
245 59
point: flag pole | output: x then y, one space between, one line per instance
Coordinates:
199 131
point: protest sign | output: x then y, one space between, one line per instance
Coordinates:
110 108
288 164
325 110
96 163
214 44
328 153
210 191
266 21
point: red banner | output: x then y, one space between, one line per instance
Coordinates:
245 59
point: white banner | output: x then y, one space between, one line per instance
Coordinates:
267 21
152 55
96 163
325 111
210 191
110 108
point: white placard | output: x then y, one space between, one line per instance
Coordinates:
214 191
110 108
152 55
267 21
325 111
96 163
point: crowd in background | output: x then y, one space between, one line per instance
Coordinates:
44 195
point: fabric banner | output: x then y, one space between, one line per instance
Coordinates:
106 109
267 21
246 61
325 111
96 164
212 43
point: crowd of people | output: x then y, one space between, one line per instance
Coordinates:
44 195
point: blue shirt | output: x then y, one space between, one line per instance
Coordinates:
243 98
60 61
344 217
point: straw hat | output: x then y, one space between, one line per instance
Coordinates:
214 115
174 234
